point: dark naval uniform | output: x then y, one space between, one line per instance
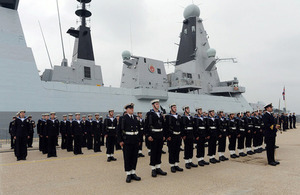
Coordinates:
256 133
201 134
110 130
154 124
52 132
128 133
40 129
84 136
77 133
31 133
63 132
69 136
21 132
212 126
249 134
10 130
142 133
232 134
294 121
223 131
97 131
270 136
241 138
173 134
90 134
291 121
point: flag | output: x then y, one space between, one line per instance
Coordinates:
283 93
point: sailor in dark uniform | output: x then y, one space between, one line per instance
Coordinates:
69 133
128 138
249 132
10 130
187 123
291 121
102 135
232 135
174 135
84 128
51 133
63 132
97 132
294 120
223 128
20 132
154 124
45 139
31 131
212 126
241 134
90 133
140 118
110 133
40 127
118 147
201 135
270 134
262 130
77 133
256 132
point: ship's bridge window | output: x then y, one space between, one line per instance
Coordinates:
145 60
189 75
185 31
87 72
158 71
193 29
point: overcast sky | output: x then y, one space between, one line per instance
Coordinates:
264 36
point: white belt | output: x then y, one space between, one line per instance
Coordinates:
224 130
189 128
131 133
142 129
242 129
176 133
157 130
250 125
257 126
111 127
201 127
212 127
233 128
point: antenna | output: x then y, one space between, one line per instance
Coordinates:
45 44
64 61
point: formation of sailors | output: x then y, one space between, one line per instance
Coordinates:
246 133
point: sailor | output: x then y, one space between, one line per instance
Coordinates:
201 135
128 138
187 123
10 130
282 119
110 133
63 132
256 132
20 131
69 133
141 120
84 128
286 118
291 121
97 132
174 136
90 134
154 124
249 132
223 128
212 126
262 130
241 134
294 120
31 131
40 127
118 147
270 134
51 133
45 139
102 135
77 133
232 135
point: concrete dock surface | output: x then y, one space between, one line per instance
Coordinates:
91 174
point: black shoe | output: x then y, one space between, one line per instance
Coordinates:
205 163
201 163
173 169
193 165
154 173
217 161
178 169
276 146
221 158
234 156
135 177
213 161
277 162
141 155
225 158
113 158
160 172
250 153
128 179
272 163
19 159
242 154
163 152
187 165
108 159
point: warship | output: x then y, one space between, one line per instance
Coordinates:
79 87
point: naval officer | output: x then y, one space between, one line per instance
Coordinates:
40 127
63 132
69 133
212 125
154 124
31 131
270 134
90 134
20 132
232 135
51 133
110 133
77 133
129 139
97 132
223 128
